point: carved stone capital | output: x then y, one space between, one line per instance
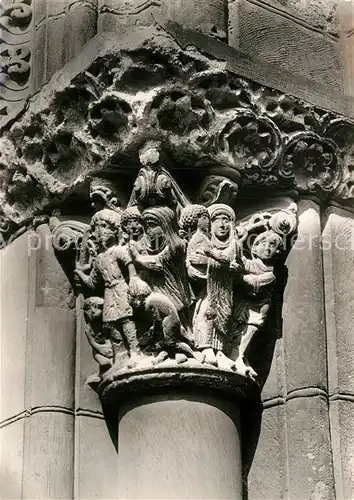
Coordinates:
95 114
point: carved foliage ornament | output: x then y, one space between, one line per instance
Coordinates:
168 282
15 54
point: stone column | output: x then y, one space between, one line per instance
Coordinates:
176 438
338 259
295 434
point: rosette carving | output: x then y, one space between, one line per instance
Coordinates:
310 162
250 143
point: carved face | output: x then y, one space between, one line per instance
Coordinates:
134 228
204 223
265 248
221 226
103 234
93 311
154 232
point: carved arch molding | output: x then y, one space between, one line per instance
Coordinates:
158 144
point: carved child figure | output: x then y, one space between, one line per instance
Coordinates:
110 268
101 346
252 307
195 222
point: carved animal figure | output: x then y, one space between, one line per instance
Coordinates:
165 314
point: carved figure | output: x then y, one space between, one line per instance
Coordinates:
132 224
101 346
252 305
214 311
110 266
166 316
163 266
195 223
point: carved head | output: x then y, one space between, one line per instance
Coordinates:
105 227
195 217
102 194
149 154
161 228
132 223
267 245
222 221
93 307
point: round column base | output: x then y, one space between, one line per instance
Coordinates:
179 432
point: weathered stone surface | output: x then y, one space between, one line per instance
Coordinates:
55 37
52 330
96 460
215 120
304 330
207 17
309 449
167 458
81 25
11 458
16 22
269 36
14 273
341 417
346 15
271 458
338 258
321 14
86 365
48 471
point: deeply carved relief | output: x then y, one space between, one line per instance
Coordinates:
168 281
15 54
208 121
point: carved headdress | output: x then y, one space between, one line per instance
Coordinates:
222 209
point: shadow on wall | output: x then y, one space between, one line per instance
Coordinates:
261 358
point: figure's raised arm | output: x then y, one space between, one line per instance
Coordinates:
152 262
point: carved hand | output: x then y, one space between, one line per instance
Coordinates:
138 287
133 249
79 277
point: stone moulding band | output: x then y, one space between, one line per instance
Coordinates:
122 386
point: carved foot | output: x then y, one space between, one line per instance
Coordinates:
181 358
245 370
162 356
209 357
139 359
224 362
199 356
